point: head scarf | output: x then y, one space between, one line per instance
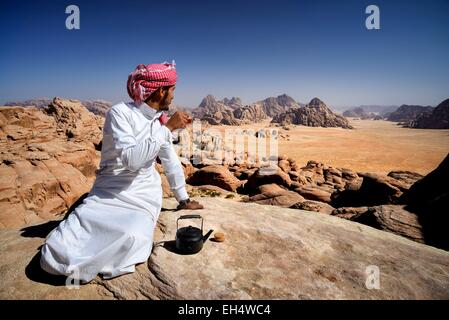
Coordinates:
148 78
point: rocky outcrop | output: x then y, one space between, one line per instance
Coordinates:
391 218
438 119
215 175
273 106
314 114
48 159
98 107
375 189
214 112
233 112
252 113
406 113
272 194
269 253
267 176
233 103
429 199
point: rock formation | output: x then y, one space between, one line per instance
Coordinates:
98 107
269 253
314 114
48 159
438 119
214 112
233 112
406 113
429 199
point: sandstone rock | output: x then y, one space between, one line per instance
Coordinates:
407 178
98 107
437 119
215 112
314 193
348 212
406 113
315 114
284 165
272 194
215 175
269 253
376 189
44 171
298 255
252 113
22 277
392 218
75 120
267 176
311 205
429 199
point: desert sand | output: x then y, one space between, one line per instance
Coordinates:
373 145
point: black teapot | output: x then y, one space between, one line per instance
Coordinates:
189 240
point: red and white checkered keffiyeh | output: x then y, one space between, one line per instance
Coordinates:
148 78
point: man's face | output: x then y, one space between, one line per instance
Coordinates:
167 99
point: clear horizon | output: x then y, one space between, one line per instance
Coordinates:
252 50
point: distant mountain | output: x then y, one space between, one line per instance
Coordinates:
273 106
376 109
315 114
233 103
98 107
437 119
38 103
215 112
232 111
359 112
407 113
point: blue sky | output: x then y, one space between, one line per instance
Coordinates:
251 49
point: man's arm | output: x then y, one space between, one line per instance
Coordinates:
134 155
173 170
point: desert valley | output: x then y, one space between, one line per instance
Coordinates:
360 188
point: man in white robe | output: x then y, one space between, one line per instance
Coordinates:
112 230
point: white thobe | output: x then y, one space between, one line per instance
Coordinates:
112 230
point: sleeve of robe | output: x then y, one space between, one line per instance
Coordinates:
136 155
172 167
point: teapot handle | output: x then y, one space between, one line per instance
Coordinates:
190 216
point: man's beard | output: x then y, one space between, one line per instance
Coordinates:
164 104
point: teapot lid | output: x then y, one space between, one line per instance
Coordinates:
189 234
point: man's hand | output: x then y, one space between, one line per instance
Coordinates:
191 205
178 120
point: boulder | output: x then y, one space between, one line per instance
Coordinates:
392 218
267 176
314 193
375 189
272 194
215 175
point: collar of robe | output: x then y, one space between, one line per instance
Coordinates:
148 112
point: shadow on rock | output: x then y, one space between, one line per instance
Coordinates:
170 245
35 273
40 230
